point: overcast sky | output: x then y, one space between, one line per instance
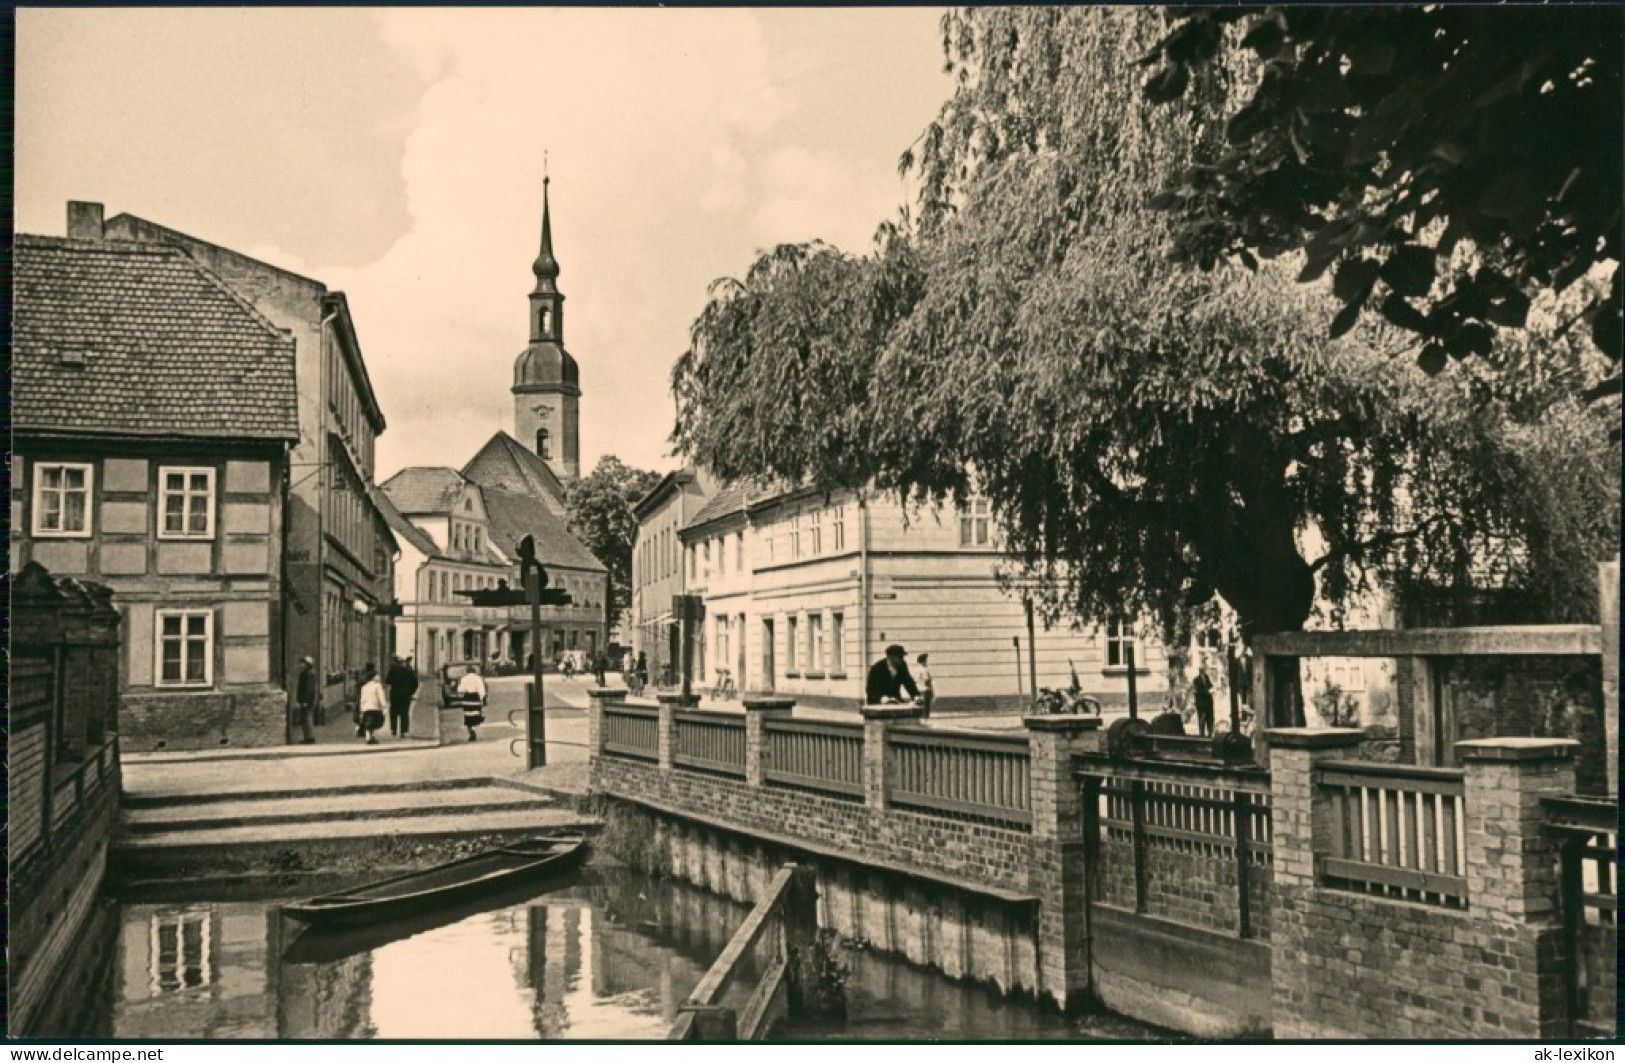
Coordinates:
397 155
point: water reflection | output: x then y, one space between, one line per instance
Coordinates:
609 956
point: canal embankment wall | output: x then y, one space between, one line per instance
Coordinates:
1324 897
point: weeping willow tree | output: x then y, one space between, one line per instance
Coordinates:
1149 434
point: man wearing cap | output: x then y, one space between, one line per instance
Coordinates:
305 698
888 678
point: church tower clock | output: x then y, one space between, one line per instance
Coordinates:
546 380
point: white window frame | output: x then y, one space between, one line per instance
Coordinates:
160 616
793 637
837 637
975 524
816 647
40 531
188 471
839 526
1121 633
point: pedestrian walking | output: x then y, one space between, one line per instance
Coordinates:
1202 694
600 665
641 670
471 693
888 678
374 703
305 699
403 688
927 687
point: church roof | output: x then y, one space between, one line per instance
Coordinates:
506 464
424 489
514 516
119 338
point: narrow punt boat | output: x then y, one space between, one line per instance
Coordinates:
419 891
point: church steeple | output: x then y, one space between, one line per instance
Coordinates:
546 380
546 302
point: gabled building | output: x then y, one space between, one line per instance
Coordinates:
657 563
153 412
340 551
457 537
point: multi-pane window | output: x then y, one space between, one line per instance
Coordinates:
793 643
739 552
973 523
837 642
722 555
186 500
62 499
815 640
795 536
1121 643
722 641
838 527
178 951
815 533
185 648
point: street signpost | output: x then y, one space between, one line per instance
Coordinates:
536 594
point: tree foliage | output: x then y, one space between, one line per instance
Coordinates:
1447 163
1147 433
600 507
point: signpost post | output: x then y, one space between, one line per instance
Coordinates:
535 594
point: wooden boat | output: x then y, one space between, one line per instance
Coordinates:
331 943
420 891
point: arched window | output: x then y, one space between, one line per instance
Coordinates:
544 444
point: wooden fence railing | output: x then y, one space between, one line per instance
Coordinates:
709 741
1587 832
1397 831
1209 828
632 731
987 776
723 1007
814 755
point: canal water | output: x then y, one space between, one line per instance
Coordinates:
603 955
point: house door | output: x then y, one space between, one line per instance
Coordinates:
768 676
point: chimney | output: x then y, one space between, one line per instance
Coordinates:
85 221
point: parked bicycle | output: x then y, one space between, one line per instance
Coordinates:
1052 702
634 684
725 689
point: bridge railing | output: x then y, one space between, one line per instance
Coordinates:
818 755
632 731
709 741
984 776
1396 831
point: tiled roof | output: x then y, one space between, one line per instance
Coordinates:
729 499
137 339
409 532
504 464
514 516
424 489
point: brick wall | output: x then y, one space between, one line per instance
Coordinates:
203 721
1186 886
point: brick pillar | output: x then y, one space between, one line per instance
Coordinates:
876 718
757 711
1511 863
1059 874
1608 582
1298 817
1512 872
666 729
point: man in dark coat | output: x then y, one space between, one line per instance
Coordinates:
305 699
403 687
1202 693
889 677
